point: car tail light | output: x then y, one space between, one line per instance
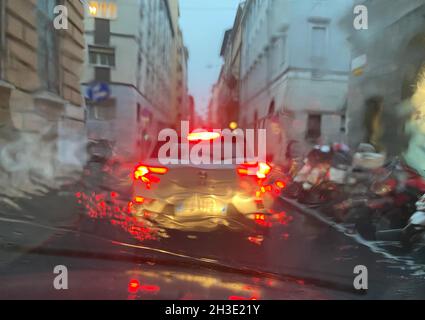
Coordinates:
263 170
158 170
259 169
142 172
280 184
146 174
139 200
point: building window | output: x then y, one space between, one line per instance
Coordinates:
278 53
102 57
48 58
139 112
102 31
271 109
318 44
343 124
102 74
105 111
314 127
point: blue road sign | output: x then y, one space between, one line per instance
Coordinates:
98 92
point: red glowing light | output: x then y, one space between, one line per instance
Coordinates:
139 200
280 184
241 298
262 220
144 173
260 216
263 170
260 169
158 170
133 285
203 136
150 288
258 240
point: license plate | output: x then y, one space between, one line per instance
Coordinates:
201 205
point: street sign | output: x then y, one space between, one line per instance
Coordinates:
98 92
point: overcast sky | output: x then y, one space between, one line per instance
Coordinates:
203 23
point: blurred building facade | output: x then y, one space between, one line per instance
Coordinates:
180 56
295 64
294 69
134 51
224 104
41 106
386 62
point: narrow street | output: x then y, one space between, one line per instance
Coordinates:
212 150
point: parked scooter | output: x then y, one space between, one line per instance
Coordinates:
330 187
313 172
389 203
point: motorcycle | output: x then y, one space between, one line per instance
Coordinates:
388 205
327 185
313 172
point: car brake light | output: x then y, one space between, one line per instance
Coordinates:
158 170
243 171
139 200
263 170
280 184
259 169
203 136
142 171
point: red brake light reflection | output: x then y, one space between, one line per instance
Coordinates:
133 285
241 298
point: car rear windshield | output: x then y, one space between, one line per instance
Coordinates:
225 153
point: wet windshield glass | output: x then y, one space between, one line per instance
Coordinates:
226 149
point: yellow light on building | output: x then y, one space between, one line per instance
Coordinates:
92 10
233 125
358 72
103 9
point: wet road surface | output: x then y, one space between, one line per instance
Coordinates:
301 259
